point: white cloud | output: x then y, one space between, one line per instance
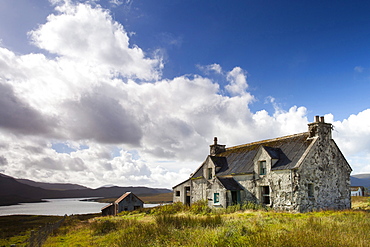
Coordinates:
95 93
237 79
89 36
359 69
117 2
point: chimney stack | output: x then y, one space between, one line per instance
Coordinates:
319 128
216 148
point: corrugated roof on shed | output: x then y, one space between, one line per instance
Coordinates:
124 196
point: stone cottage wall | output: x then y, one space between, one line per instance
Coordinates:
327 173
216 187
179 193
249 184
198 191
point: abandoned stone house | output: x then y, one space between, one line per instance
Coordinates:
301 172
127 202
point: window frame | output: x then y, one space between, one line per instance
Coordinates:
178 193
265 197
262 167
216 198
209 175
310 190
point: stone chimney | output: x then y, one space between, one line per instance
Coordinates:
320 129
216 148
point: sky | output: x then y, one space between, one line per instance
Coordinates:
132 93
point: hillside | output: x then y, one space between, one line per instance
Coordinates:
52 186
360 180
13 192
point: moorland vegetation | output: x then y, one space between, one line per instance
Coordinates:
239 225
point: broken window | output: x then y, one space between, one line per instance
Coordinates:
187 195
209 173
177 193
216 197
262 167
265 194
310 190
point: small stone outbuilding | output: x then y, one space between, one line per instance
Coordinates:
301 172
127 202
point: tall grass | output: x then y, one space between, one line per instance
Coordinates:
179 225
185 221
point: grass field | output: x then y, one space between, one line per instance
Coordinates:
16 229
178 225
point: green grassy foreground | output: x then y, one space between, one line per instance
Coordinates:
177 225
249 225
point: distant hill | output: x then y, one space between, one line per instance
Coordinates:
361 180
13 191
52 186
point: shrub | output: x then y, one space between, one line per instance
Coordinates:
181 222
172 208
101 227
200 207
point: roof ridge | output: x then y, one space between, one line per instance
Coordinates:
265 141
119 199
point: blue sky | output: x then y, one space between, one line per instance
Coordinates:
300 52
139 88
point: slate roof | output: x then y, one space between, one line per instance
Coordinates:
239 159
230 184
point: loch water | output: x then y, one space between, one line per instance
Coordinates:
65 206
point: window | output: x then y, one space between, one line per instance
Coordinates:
177 193
262 167
265 194
187 195
216 197
209 173
310 190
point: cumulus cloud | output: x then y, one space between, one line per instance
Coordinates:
89 35
211 68
18 116
237 79
101 93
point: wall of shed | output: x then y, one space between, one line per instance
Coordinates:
110 210
328 172
129 203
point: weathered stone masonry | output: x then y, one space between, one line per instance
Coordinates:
301 172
